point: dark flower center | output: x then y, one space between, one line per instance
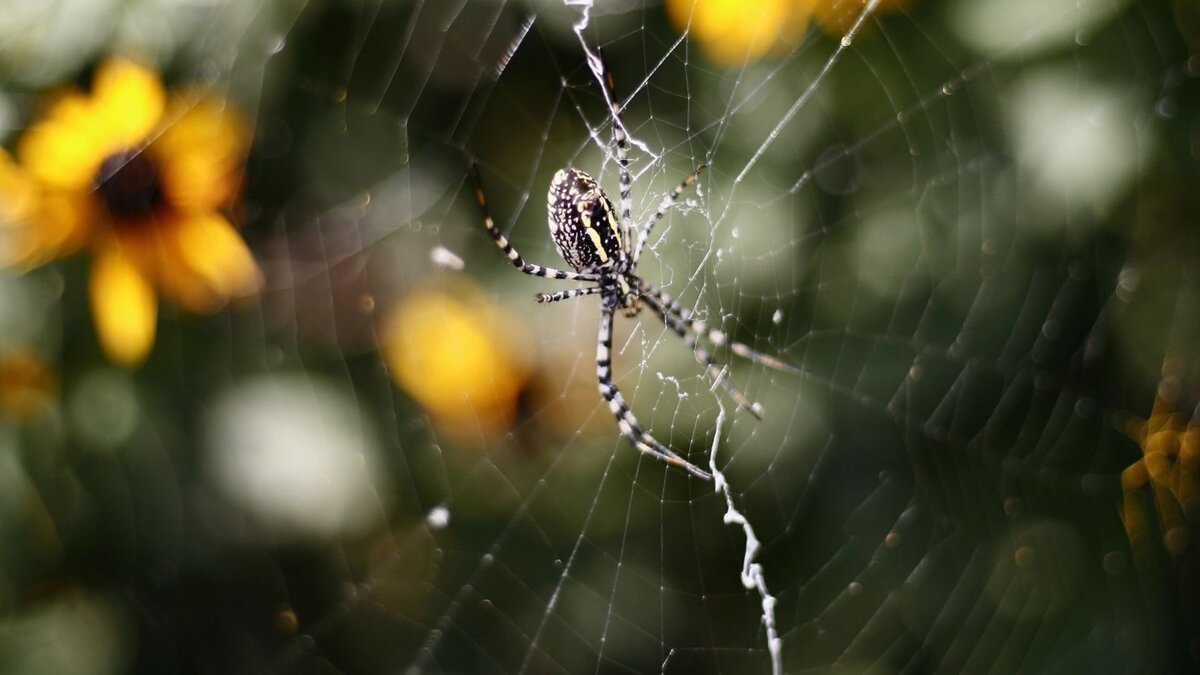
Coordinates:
128 184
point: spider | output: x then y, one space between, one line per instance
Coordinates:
604 252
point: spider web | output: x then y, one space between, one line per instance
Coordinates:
967 229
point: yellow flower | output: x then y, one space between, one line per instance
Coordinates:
1169 470
735 32
460 359
139 178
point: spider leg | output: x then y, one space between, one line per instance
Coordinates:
718 374
713 335
667 201
507 248
619 135
569 293
628 424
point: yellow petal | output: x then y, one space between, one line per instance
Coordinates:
180 282
212 249
59 226
124 307
17 193
129 99
154 248
64 150
38 223
196 181
219 254
200 154
65 221
207 125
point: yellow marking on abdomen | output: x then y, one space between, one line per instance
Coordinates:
586 218
612 223
595 237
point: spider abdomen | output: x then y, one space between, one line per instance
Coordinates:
582 222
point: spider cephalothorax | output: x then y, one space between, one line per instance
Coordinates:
604 251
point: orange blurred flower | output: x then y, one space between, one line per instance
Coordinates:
1169 467
460 359
139 178
734 32
28 387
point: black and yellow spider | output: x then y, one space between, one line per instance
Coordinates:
605 252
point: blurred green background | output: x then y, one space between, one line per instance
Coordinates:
972 224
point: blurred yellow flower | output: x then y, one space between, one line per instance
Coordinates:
460 359
734 32
28 387
140 178
1170 467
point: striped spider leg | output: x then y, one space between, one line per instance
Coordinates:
680 320
620 138
507 248
662 301
627 423
668 199
622 143
718 374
